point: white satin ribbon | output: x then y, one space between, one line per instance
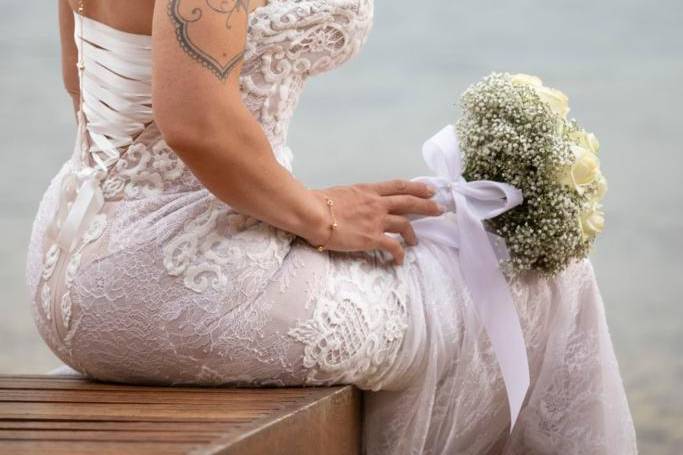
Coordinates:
464 231
89 200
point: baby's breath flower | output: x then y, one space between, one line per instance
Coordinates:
508 133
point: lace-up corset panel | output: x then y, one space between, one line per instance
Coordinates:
288 41
116 86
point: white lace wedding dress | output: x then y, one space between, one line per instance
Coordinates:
168 285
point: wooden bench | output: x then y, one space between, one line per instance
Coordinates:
66 415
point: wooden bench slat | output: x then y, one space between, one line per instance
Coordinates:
198 427
73 383
144 397
129 411
94 448
108 436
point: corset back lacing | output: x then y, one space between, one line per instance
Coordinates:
115 86
116 104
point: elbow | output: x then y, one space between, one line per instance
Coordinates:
193 133
193 120
179 137
182 132
177 128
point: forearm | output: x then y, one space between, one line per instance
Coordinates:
232 157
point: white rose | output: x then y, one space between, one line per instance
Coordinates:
602 188
527 79
587 140
584 171
592 222
593 142
558 101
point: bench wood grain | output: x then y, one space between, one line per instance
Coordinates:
66 415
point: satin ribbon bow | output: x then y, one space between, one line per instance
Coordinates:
72 219
464 231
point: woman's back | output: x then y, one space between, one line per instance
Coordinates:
132 16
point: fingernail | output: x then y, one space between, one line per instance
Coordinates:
442 208
432 191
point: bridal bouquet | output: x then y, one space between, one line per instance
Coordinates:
523 187
515 130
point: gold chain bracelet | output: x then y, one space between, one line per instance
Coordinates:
332 226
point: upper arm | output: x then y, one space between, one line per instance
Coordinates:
197 50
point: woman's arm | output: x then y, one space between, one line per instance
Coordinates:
198 108
69 52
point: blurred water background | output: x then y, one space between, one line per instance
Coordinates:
621 62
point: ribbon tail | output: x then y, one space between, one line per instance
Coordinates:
87 203
442 229
479 254
494 305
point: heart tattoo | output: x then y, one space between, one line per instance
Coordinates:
200 25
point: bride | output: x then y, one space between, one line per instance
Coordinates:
176 246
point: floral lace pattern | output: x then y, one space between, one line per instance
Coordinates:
203 252
357 325
291 40
148 168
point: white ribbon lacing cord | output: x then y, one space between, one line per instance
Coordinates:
116 87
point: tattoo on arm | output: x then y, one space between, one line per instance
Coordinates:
193 21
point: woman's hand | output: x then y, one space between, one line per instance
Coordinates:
366 211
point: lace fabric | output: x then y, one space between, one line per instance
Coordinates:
168 285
